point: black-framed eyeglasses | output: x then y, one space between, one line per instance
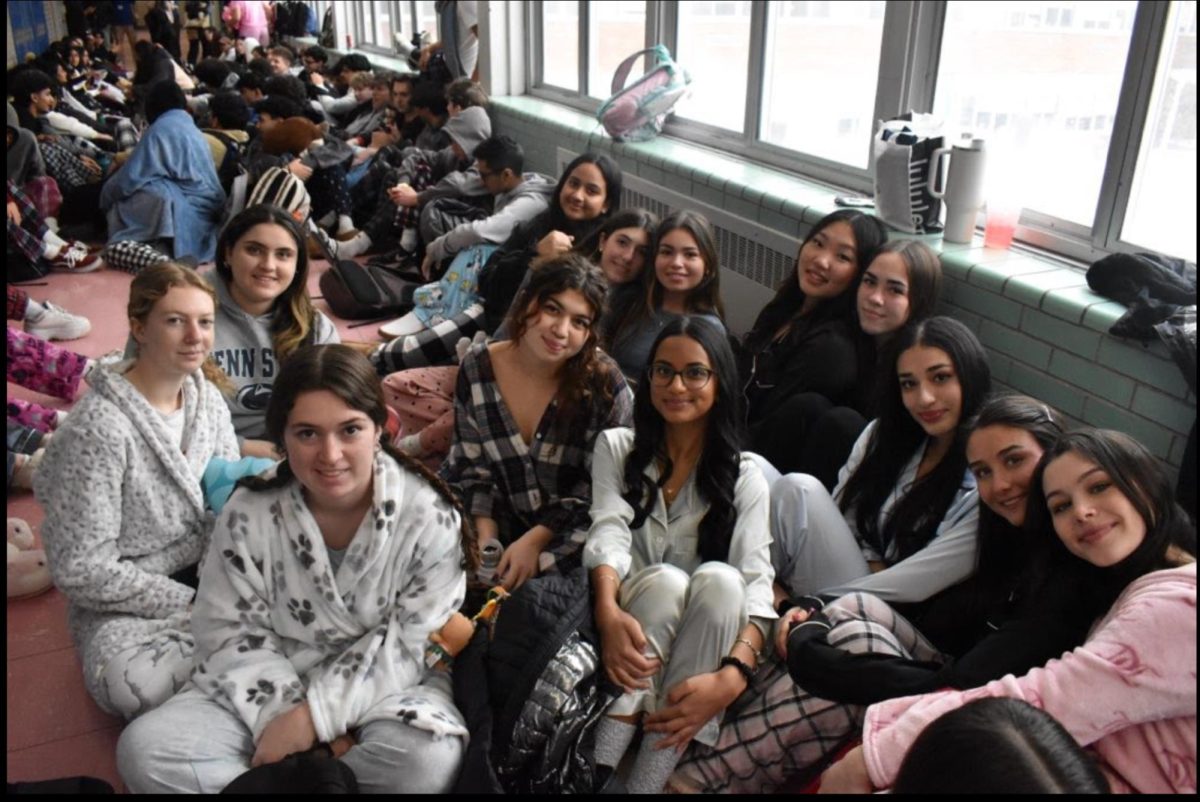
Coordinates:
695 377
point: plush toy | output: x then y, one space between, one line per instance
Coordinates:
28 574
455 634
220 476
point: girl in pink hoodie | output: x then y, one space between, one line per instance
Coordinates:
1129 693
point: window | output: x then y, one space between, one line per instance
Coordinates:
375 26
1088 108
616 30
1162 209
836 50
560 34
714 40
426 21
1073 76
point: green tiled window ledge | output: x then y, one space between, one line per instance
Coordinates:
1045 330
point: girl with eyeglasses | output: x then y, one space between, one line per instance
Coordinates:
526 414
679 555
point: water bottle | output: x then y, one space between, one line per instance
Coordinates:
963 191
489 559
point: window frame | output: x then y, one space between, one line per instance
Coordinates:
908 68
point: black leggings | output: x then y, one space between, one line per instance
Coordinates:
808 434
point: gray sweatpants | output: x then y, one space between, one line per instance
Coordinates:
812 547
194 745
690 623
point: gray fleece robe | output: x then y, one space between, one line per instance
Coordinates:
124 511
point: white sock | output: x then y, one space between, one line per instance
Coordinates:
351 248
344 223
52 224
53 238
653 767
408 239
328 220
612 740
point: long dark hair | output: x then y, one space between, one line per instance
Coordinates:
704 298
1142 479
1003 551
869 234
717 470
582 374
898 436
584 231
621 298
347 374
999 746
293 317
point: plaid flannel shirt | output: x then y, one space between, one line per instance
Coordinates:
547 482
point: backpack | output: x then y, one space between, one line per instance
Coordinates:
326 38
231 168
363 292
636 113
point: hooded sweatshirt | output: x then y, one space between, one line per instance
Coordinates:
24 157
243 348
520 204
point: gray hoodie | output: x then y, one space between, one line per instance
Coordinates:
524 202
243 348
24 157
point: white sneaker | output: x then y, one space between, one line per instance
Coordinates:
56 323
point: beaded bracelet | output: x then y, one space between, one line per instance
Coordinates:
757 654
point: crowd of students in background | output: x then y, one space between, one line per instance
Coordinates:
830 529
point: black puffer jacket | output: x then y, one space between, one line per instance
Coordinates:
533 695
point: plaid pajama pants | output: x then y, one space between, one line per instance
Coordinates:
26 237
776 728
431 347
66 168
133 257
42 366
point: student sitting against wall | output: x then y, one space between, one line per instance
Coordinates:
806 339
347 559
679 555
1129 693
125 519
858 650
526 415
686 280
167 194
587 193
901 285
423 398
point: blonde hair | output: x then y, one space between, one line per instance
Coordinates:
361 80
149 287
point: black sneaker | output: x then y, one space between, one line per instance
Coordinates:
396 259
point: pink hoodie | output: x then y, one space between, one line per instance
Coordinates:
1129 692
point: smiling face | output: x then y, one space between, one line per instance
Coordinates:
331 450
828 262
263 264
883 295
558 329
691 387
177 335
679 264
584 195
279 65
623 254
1092 517
930 389
1003 459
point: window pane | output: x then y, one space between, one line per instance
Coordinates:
427 20
560 44
616 30
714 42
1042 89
1161 214
835 47
382 34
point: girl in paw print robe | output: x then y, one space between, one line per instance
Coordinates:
290 628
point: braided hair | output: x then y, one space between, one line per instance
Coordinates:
347 374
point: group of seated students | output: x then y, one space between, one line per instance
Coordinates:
827 529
